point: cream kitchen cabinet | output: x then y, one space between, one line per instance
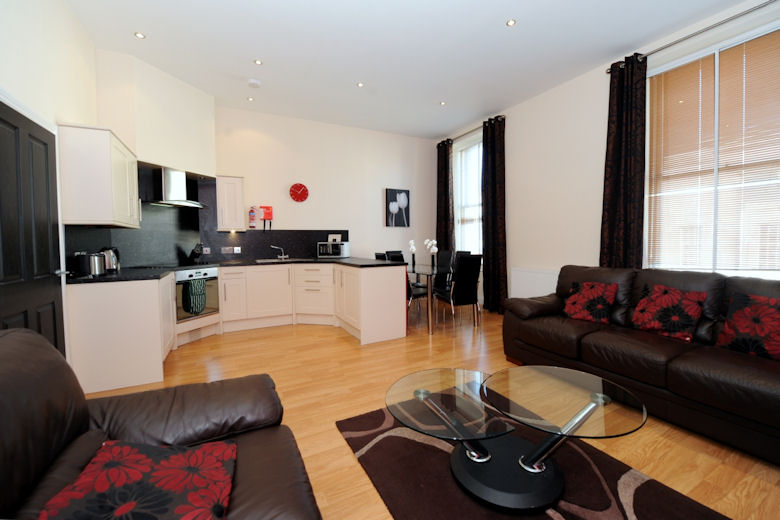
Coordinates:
269 291
313 294
348 295
232 293
99 178
230 204
124 343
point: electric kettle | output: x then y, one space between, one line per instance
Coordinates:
112 258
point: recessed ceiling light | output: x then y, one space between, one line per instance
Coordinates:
360 84
258 62
140 35
250 98
442 103
511 22
254 83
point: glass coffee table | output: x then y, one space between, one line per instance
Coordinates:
478 411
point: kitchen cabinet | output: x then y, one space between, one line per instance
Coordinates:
118 332
269 291
230 204
167 313
348 295
99 178
232 293
313 293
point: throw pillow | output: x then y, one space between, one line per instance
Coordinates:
129 480
590 301
752 326
669 311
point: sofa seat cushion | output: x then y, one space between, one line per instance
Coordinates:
557 334
632 353
745 385
270 481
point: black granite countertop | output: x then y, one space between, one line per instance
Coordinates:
133 274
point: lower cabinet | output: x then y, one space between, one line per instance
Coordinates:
255 296
122 343
232 293
313 293
348 295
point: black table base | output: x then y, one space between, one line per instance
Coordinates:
502 480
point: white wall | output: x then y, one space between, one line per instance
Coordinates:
48 63
346 170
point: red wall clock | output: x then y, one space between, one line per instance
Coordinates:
299 192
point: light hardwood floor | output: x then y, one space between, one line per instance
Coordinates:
323 375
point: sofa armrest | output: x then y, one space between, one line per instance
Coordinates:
526 308
189 414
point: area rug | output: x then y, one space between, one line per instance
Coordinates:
411 472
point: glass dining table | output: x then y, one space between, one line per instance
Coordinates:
429 272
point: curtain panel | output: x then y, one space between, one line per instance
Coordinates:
445 216
494 279
622 218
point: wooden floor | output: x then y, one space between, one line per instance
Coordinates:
323 375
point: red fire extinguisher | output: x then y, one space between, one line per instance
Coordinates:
252 214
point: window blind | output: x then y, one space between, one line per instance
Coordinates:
714 163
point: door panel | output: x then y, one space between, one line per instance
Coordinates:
30 292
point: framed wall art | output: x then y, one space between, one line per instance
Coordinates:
396 208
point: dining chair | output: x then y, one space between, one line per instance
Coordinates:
380 256
394 256
415 293
393 252
464 288
444 260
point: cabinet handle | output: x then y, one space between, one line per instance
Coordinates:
312 290
288 276
312 281
316 269
224 294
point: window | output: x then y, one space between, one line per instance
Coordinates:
467 190
713 198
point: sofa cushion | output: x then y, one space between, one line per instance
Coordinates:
747 386
130 480
557 334
710 283
752 326
590 301
669 312
632 353
271 477
570 274
47 413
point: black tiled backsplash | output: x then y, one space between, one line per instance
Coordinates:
167 236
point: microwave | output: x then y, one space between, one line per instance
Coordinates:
332 249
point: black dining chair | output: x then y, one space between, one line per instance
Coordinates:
444 260
395 256
380 256
463 289
393 252
415 293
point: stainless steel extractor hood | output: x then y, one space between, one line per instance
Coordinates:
174 190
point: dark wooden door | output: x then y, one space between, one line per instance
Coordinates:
30 291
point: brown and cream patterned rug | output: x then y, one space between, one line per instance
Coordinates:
411 472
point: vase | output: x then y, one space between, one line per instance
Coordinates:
433 261
412 261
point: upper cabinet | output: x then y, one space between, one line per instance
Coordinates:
164 120
230 204
99 178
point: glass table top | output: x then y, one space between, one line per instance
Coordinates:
445 403
564 401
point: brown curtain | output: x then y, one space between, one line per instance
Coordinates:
624 171
445 216
494 282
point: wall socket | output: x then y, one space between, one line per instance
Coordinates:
237 249
206 250
226 250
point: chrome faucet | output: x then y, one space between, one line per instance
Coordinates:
282 256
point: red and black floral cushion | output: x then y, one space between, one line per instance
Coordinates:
752 326
139 482
590 301
669 311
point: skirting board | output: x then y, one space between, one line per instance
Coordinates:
527 283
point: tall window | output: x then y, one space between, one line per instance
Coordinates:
467 190
714 163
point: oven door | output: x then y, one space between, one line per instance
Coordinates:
196 298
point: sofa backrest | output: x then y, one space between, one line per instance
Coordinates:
711 283
623 277
42 409
745 285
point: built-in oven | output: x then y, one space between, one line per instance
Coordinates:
197 292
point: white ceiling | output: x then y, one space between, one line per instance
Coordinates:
411 54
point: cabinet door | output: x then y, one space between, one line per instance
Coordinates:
230 204
314 300
167 313
338 283
233 293
269 291
351 297
124 184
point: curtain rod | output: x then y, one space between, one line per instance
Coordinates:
700 31
467 132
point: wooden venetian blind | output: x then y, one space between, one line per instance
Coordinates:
714 164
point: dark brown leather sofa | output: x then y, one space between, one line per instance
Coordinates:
49 432
729 396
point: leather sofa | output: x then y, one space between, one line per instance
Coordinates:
732 397
49 432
